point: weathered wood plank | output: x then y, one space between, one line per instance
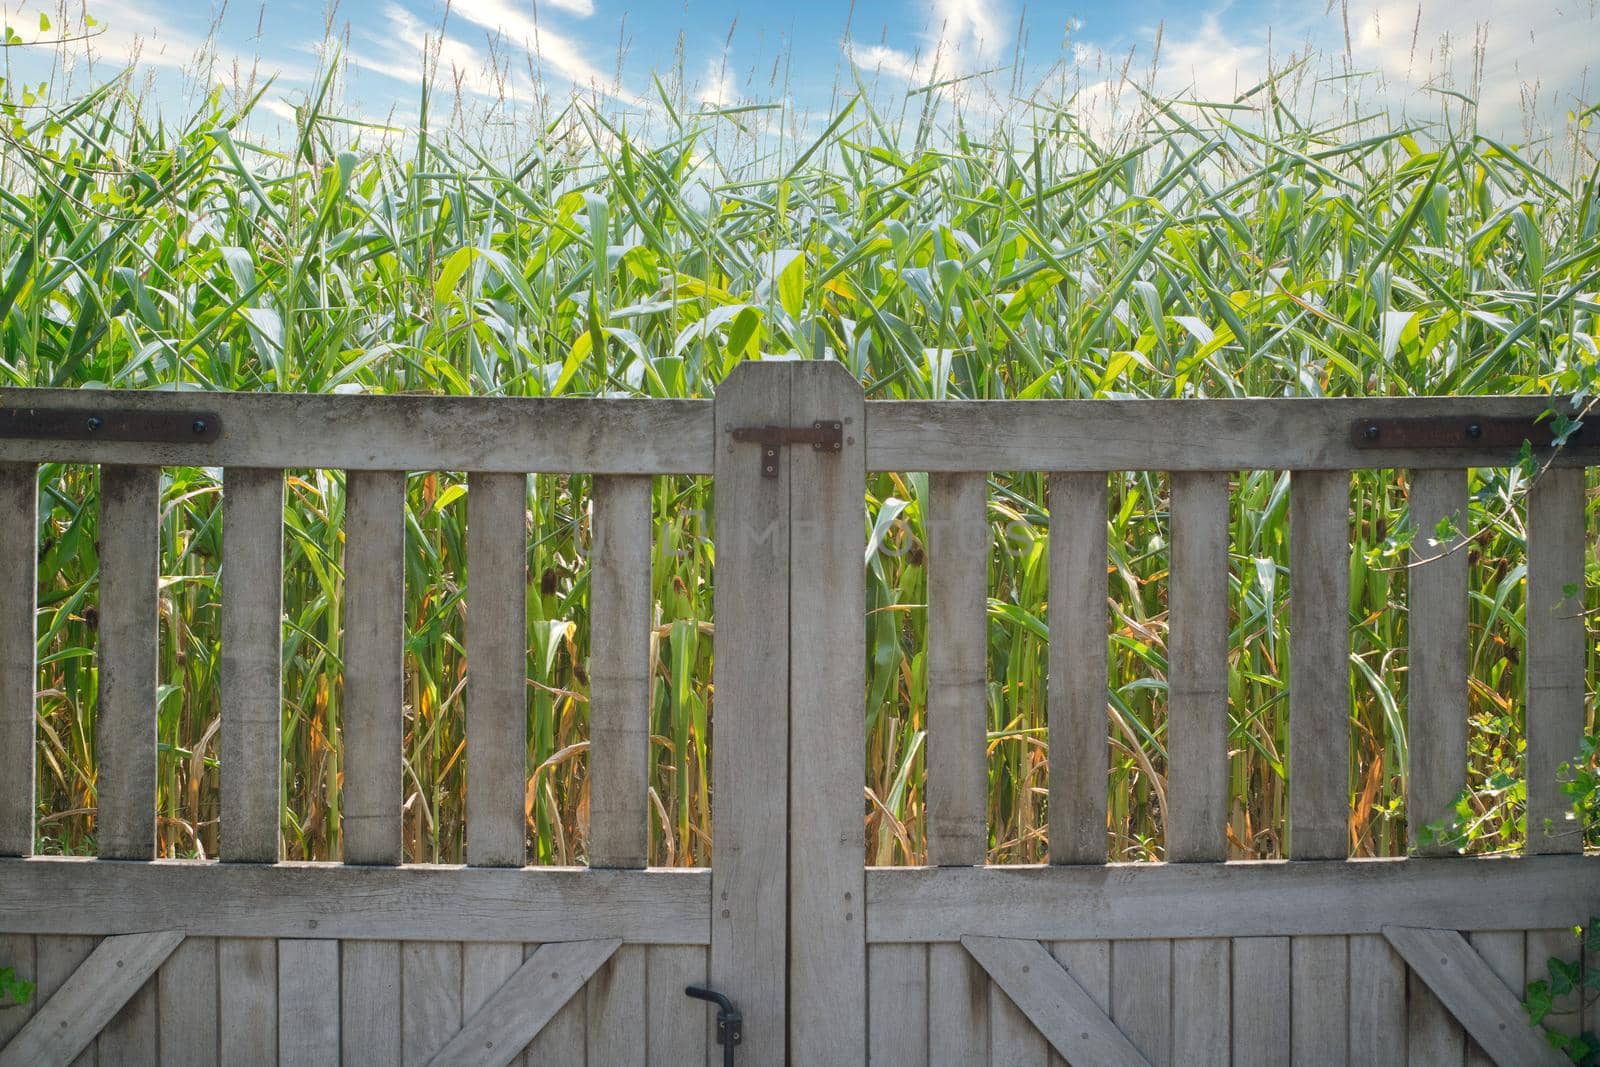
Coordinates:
1542 946
252 663
247 1000
1197 670
125 718
19 528
511 1018
1202 994
1079 747
958 1007
131 1038
285 430
1052 1000
1467 987
1436 700
1555 655
1505 952
1377 1001
676 1030
1237 899
897 995
58 895
1167 435
369 1002
827 668
308 1001
619 674
1261 1001
957 524
1089 964
1141 996
1320 999
65 1024
17 951
749 873
564 1039
1013 1039
1319 658
58 958
187 988
374 635
615 1015
485 967
497 668
430 1003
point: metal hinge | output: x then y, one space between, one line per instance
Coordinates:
110 424
824 435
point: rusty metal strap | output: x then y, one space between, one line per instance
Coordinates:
110 424
1460 431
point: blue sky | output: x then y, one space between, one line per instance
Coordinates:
1538 54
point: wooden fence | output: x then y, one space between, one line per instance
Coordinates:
1316 959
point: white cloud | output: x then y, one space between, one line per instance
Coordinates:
507 20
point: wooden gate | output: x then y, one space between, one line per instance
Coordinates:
1316 959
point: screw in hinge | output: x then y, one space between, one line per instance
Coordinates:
1372 431
94 422
769 456
1474 430
198 426
836 443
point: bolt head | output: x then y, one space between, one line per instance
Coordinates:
1475 431
1371 432
94 422
198 426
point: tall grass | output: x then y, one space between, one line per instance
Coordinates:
1236 248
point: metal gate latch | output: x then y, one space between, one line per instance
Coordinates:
824 435
730 1023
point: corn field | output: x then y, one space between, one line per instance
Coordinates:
1226 249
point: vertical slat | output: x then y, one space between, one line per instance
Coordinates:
615 1017
1436 699
619 674
1319 985
828 771
1079 748
430 998
1505 953
1141 996
1555 654
485 967
1319 659
1261 1001
958 1007
57 958
374 634
252 663
188 1004
1543 945
897 1001
247 978
369 1002
1377 1002
749 764
676 1036
1197 669
19 527
1434 1038
1089 964
958 587
497 661
564 1039
1202 986
130 551
17 951
1013 1039
308 1001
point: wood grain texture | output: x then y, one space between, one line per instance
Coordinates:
1141 996
1202 994
497 668
125 716
1013 1039
1197 670
958 1007
1052 1000
1261 1001
19 953
1076 695
750 718
252 663
620 607
19 528
615 1016
827 740
1473 994
957 524
247 1000
286 430
1505 951
430 1002
1319 665
76 1012
1542 946
897 995
308 1009
1436 697
1377 1001
369 1002
187 1005
131 1038
1320 982
374 635
1238 899
496 1034
564 1039
1555 655
58 959
676 1025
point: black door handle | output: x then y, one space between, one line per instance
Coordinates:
730 1024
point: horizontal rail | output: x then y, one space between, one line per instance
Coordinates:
402 433
420 903
1244 899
